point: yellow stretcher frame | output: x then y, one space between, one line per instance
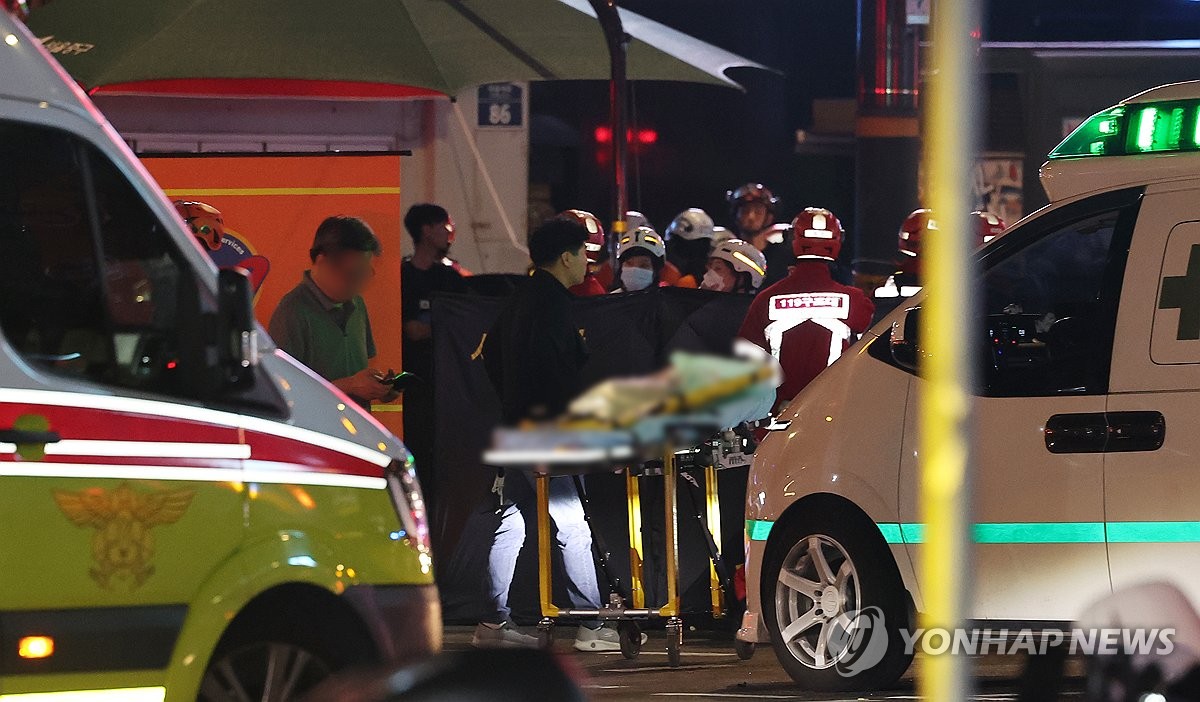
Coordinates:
637 611
627 616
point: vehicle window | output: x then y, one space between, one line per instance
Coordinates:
1049 309
89 282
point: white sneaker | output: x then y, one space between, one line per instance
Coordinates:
606 638
503 636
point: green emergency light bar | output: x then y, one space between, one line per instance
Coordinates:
1139 128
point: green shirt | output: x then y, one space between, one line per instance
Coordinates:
332 338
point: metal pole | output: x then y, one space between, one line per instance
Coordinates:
618 116
947 334
887 140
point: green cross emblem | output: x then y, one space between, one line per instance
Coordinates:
1183 293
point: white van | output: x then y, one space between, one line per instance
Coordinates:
1086 473
185 511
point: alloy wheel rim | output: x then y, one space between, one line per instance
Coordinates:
817 594
263 672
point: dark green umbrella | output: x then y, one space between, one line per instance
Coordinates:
440 45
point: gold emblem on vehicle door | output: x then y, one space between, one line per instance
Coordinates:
123 545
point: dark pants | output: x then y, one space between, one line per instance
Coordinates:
419 431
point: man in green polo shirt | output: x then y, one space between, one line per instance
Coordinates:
323 321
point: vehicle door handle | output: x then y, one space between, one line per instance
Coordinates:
1105 432
1076 433
1136 431
21 436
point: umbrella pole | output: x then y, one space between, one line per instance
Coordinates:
618 116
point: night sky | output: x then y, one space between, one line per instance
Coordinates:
711 139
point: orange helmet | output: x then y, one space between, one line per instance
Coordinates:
595 241
205 222
989 226
817 234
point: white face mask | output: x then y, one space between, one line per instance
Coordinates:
713 281
633 279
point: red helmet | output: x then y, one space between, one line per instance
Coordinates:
912 232
205 221
917 225
751 192
595 230
817 234
988 226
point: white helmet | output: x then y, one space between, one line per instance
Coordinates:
691 224
744 258
721 234
635 219
644 238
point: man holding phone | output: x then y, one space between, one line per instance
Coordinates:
323 321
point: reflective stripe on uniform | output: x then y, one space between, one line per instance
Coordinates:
828 310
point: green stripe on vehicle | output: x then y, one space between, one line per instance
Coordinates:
1153 532
1056 532
758 529
1039 533
891 533
912 533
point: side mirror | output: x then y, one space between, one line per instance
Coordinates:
905 350
237 334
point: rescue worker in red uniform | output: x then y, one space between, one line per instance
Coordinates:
808 319
594 249
918 225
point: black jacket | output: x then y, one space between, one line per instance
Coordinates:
534 353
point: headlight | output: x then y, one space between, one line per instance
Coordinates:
409 503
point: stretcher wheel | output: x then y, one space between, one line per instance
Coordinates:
743 649
631 639
545 634
674 642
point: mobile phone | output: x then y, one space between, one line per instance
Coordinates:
398 381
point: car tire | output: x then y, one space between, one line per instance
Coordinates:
268 663
834 603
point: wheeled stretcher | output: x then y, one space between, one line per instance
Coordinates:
629 426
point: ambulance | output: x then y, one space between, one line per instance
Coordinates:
1088 449
185 511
